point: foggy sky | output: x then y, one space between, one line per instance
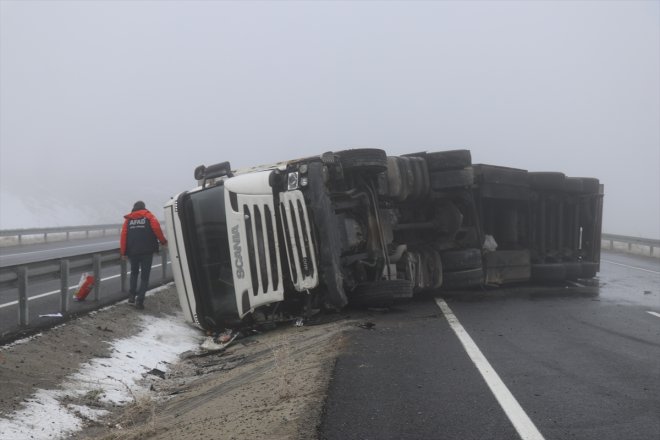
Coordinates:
106 102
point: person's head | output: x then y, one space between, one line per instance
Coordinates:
139 205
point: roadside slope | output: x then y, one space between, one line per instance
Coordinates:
269 385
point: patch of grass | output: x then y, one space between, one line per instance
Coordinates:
93 395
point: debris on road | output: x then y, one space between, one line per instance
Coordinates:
156 372
220 342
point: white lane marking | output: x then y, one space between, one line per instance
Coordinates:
630 267
653 313
55 292
521 422
57 249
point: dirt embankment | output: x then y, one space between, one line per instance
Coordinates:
270 385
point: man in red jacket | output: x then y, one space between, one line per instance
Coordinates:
140 235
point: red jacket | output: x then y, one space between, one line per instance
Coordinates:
140 233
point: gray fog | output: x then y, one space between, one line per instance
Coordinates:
103 103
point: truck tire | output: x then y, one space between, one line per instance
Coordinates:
463 279
368 159
421 172
441 180
448 160
395 185
550 181
381 293
461 259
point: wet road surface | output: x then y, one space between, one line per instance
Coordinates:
581 362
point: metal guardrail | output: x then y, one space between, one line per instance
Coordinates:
614 238
20 233
22 275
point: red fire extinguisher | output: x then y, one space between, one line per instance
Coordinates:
84 287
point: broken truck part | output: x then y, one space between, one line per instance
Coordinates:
358 226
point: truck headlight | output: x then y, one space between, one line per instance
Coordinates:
292 181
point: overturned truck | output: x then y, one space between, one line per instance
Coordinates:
357 226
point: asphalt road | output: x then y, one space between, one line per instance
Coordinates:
12 255
576 362
45 297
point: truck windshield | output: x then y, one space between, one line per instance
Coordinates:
202 215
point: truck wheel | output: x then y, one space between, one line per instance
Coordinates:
441 180
448 160
549 272
467 236
396 186
461 259
547 180
434 268
381 293
371 159
421 174
463 279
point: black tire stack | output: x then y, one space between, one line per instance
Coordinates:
423 268
450 169
371 160
407 178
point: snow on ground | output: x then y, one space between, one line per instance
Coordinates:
47 415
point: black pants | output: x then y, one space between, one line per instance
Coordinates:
140 265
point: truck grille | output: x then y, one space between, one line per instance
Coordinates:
261 240
300 250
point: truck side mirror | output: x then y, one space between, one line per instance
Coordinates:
212 171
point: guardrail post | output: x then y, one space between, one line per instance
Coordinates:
97 276
23 312
45 237
163 261
123 271
64 286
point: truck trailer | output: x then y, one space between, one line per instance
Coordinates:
264 244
